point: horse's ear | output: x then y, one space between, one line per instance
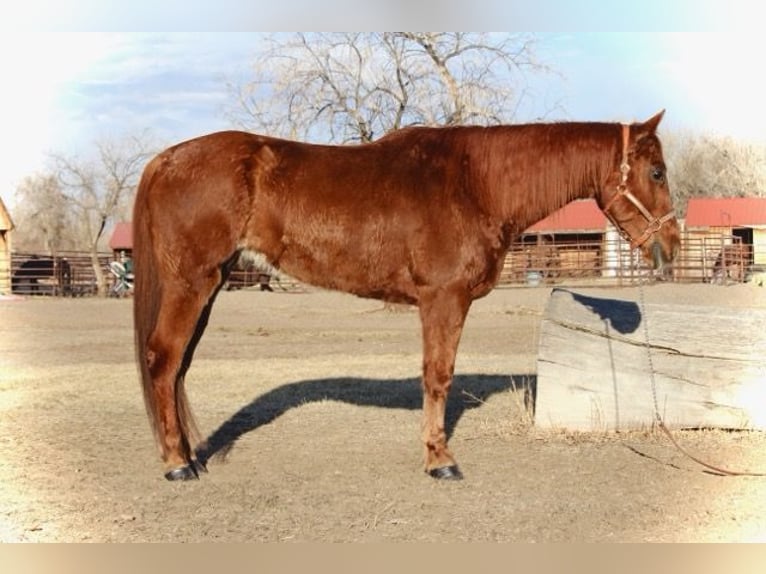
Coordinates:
650 125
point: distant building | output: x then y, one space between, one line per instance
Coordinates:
740 217
122 239
728 232
6 227
575 241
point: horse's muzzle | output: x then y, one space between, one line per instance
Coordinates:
660 257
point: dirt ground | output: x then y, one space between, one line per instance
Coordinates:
317 397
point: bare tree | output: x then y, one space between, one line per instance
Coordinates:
42 218
345 87
101 190
466 77
702 165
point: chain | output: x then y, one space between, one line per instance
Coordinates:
657 416
648 347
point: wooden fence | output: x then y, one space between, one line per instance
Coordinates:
531 261
69 273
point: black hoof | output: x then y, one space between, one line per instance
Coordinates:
446 473
189 472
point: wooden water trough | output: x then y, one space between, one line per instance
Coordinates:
594 367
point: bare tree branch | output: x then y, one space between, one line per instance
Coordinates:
346 87
100 191
42 216
702 165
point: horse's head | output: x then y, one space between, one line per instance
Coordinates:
636 197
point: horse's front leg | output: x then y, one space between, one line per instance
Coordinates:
442 313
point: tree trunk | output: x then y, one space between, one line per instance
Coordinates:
98 272
594 370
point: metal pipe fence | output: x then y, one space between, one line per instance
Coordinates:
532 260
605 260
68 273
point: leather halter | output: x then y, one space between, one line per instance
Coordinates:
654 223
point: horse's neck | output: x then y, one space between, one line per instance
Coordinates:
532 178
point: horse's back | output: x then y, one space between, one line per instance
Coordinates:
374 219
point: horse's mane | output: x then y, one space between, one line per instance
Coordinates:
529 169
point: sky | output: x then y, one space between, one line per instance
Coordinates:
64 87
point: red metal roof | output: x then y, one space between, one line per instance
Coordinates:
726 211
581 216
122 236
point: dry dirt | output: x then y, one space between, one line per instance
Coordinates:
318 393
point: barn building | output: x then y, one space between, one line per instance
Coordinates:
6 227
577 241
121 241
726 235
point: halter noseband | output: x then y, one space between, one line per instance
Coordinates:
655 223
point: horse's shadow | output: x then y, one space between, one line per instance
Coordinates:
623 316
468 392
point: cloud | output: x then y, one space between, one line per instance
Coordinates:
717 76
36 69
63 91
173 84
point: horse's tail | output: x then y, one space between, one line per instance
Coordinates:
147 289
147 301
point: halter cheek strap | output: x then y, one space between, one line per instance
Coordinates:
655 223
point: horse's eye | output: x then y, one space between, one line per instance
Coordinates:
658 174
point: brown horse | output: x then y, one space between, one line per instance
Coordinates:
422 216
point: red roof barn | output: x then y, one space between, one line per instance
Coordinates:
122 238
718 222
575 241
728 212
577 217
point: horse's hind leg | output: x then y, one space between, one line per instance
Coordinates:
442 313
182 316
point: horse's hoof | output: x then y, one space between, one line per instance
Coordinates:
446 473
188 472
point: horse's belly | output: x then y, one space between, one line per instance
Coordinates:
344 270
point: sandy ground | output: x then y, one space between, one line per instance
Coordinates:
317 394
